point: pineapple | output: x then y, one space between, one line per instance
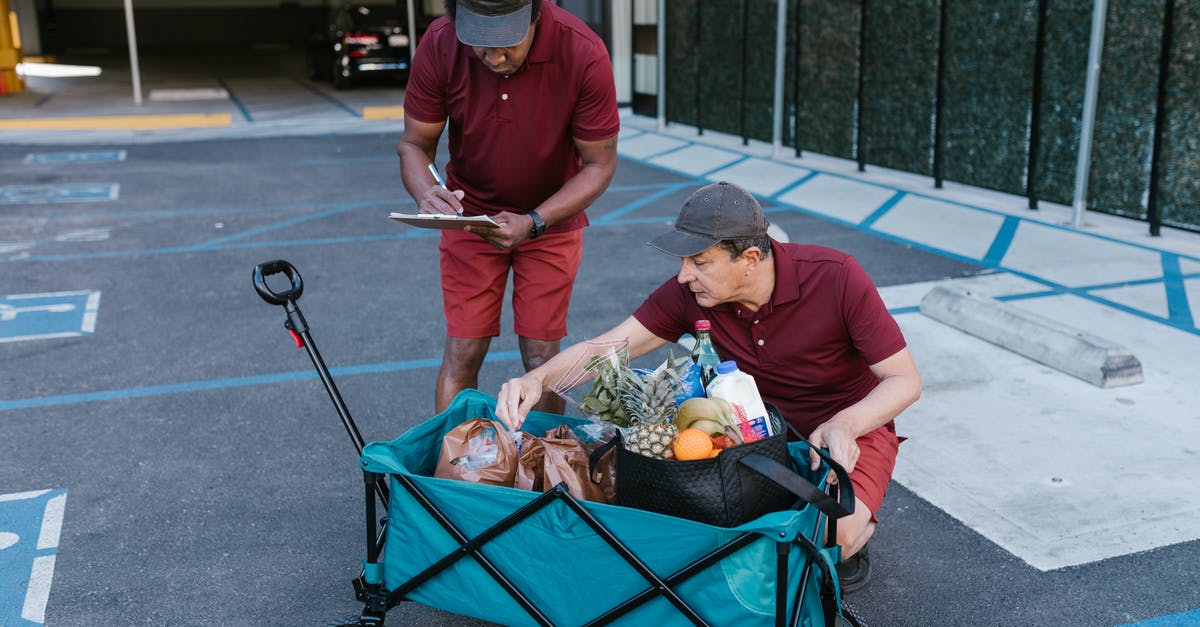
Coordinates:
650 402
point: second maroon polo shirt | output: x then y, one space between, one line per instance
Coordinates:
809 347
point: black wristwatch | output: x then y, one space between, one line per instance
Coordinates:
539 225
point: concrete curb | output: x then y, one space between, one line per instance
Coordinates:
1079 354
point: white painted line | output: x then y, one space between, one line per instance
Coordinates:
21 496
941 225
90 312
198 93
52 519
642 146
49 294
7 539
40 336
39 589
696 160
839 198
760 176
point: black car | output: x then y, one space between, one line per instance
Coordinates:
361 40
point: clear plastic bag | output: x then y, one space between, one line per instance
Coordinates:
602 363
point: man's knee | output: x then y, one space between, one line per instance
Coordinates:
854 530
463 357
537 352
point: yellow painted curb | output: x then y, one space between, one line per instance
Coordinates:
119 122
383 113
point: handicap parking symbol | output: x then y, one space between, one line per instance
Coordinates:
30 526
49 315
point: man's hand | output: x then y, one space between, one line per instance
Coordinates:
514 229
517 397
438 199
841 442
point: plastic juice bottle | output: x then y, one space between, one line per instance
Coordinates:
739 389
704 354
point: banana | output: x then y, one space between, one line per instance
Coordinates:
724 411
711 427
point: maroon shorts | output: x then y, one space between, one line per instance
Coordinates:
873 472
474 275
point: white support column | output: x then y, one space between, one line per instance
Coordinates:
780 50
662 65
412 32
134 68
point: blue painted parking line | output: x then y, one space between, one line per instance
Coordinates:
96 156
887 206
30 526
1182 619
1002 242
1178 309
69 192
49 315
236 382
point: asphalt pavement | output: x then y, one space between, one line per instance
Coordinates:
170 457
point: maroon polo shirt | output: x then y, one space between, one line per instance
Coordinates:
511 138
809 347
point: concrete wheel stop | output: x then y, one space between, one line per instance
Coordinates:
1094 359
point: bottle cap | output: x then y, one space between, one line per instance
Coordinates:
703 325
727 367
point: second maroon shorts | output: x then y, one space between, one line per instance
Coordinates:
873 472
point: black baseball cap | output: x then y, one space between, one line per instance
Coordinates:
721 211
492 23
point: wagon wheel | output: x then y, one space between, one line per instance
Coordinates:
851 616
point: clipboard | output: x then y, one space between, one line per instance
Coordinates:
443 220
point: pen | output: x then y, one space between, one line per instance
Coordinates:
437 178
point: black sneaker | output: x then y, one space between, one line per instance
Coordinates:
854 572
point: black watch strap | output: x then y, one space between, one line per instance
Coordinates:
539 225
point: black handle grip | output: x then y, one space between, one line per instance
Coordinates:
263 270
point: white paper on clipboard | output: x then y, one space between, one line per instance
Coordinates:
443 220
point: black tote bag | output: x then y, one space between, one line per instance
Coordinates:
738 485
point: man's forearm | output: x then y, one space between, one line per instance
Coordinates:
599 166
413 168
892 396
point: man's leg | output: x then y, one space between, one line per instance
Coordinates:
473 276
871 475
543 275
854 530
461 360
533 354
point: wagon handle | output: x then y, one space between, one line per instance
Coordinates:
278 266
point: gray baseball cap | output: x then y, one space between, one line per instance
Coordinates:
716 212
492 23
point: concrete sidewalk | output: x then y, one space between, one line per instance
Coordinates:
996 436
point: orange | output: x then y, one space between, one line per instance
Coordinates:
693 444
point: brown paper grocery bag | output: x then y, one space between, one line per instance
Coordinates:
479 451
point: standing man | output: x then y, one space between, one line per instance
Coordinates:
527 89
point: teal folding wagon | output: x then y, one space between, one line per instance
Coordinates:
517 557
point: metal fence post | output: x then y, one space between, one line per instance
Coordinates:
1087 125
1035 113
1153 210
661 67
938 130
780 46
862 70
